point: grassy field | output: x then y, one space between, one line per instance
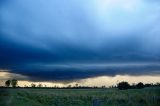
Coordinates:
80 97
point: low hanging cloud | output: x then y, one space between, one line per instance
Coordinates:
70 72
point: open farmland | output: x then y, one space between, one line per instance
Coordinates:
79 97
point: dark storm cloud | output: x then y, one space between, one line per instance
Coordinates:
66 72
69 32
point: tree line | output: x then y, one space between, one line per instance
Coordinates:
125 85
121 85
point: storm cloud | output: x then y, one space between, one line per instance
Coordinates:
36 36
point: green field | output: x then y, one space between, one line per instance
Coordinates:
80 97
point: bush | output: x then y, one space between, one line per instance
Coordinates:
123 85
140 85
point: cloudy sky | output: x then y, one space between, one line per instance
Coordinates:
75 39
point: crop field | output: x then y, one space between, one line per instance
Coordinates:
79 97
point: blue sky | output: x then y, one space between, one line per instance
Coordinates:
38 34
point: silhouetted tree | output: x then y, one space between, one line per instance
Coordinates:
14 83
7 83
25 86
45 85
76 85
157 84
123 85
140 85
69 86
103 86
55 86
147 85
33 85
39 85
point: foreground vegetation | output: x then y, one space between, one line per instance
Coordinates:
79 97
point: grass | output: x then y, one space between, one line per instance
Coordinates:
80 97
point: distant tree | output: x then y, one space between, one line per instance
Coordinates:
76 85
25 86
157 84
123 85
69 86
140 85
33 85
55 86
147 85
45 85
14 83
7 83
39 85
103 86
95 87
